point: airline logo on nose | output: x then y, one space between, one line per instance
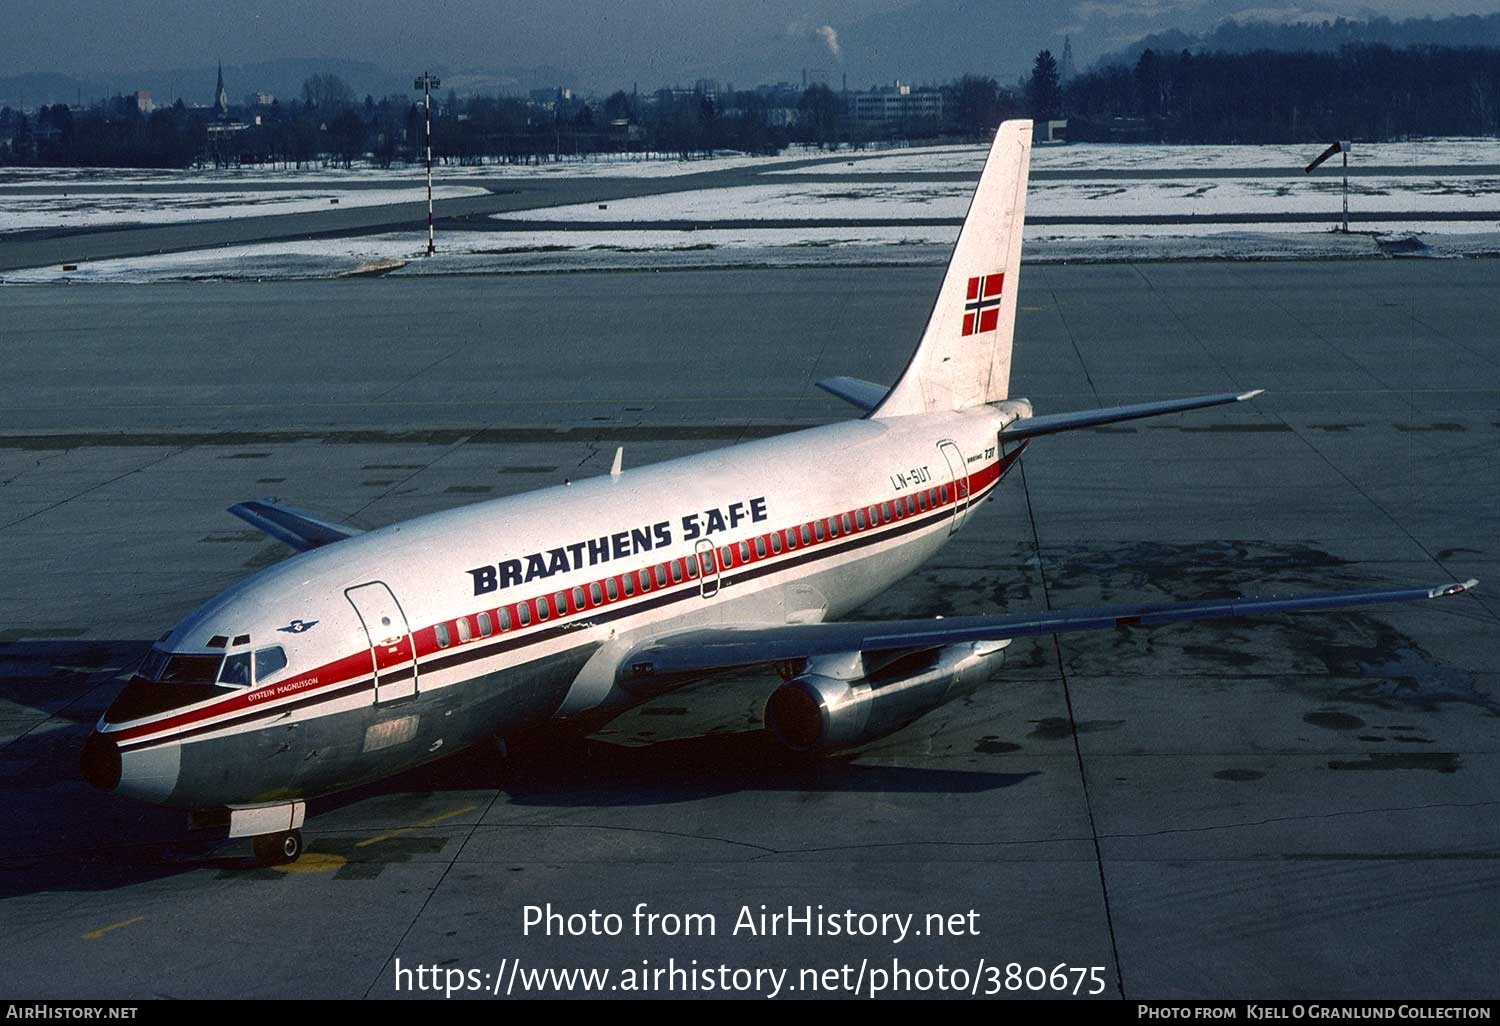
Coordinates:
982 305
298 626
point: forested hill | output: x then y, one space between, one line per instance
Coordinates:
1241 37
1359 92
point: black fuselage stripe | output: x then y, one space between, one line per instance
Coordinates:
503 645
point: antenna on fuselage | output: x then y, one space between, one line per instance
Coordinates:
614 471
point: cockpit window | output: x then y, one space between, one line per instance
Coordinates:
166 668
269 661
236 670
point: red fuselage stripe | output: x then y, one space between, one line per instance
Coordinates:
350 667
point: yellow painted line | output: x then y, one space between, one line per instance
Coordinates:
96 934
415 826
313 862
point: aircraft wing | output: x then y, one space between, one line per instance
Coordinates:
704 650
302 531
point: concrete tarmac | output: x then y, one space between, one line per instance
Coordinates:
1296 807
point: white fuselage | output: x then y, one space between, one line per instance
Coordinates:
434 633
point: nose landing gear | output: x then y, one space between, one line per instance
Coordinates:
278 849
276 829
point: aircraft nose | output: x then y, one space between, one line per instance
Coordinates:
101 762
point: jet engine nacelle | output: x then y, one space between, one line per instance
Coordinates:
834 705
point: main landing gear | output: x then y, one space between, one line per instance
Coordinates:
278 849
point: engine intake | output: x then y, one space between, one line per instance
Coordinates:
817 712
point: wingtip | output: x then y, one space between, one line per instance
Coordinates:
1249 395
1456 588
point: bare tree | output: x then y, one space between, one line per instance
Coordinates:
327 92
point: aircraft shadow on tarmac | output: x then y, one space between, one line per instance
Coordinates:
556 769
59 834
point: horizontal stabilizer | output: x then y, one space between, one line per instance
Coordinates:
720 648
1030 427
864 394
302 531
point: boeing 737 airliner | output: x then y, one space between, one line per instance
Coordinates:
368 653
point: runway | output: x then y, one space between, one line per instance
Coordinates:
1300 807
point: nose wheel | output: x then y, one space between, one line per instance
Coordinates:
278 849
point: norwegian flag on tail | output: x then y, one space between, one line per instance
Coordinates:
982 304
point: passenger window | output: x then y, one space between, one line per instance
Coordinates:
890 512
523 613
485 627
859 518
269 662
874 515
595 593
464 634
611 589
806 535
776 543
791 538
691 565
236 670
645 576
922 501
577 598
818 530
441 630
661 575
744 552
505 619
726 557
542 612
629 582
848 526
945 493
760 547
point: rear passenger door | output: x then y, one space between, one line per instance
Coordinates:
708 567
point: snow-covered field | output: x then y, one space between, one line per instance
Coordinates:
87 210
606 249
1185 198
606 239
885 160
604 166
1149 156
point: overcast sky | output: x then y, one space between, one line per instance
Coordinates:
604 43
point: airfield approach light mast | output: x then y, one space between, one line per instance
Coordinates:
1338 147
427 83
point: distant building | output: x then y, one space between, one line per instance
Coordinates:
1051 132
894 103
143 102
550 99
221 98
221 129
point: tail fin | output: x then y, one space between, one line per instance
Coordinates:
964 357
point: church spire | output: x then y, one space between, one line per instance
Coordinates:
221 98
